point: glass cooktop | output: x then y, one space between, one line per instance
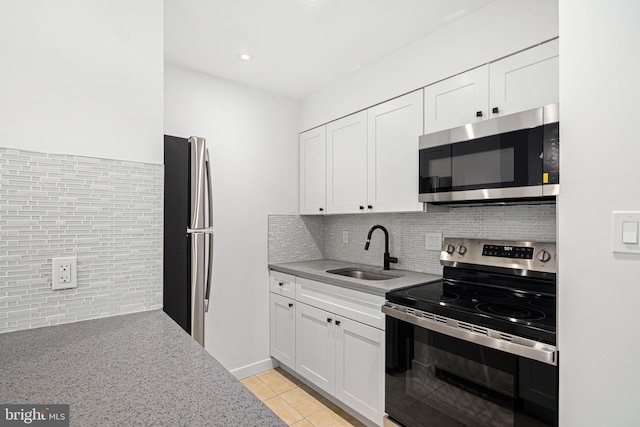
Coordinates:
523 313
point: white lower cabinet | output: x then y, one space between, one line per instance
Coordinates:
315 347
342 356
360 368
283 330
283 284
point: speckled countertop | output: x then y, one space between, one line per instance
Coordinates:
137 369
317 270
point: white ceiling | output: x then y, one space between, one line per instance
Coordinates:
298 46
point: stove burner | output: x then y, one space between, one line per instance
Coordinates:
492 294
510 312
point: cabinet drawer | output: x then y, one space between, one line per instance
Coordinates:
359 306
282 284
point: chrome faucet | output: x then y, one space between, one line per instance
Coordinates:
387 258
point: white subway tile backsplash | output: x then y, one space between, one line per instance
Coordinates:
107 212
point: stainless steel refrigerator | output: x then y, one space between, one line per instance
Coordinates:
188 233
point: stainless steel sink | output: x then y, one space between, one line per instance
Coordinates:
359 273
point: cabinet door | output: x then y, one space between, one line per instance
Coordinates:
347 164
526 80
394 128
313 171
315 346
457 100
360 368
282 338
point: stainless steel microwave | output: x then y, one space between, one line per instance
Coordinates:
510 158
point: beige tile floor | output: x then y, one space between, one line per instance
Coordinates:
295 403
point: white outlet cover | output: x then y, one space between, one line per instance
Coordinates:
433 241
56 267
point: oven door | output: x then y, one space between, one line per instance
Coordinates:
436 380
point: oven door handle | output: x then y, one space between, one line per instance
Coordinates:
497 340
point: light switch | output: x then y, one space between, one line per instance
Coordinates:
433 241
624 234
630 232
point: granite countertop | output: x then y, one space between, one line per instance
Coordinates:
137 369
317 270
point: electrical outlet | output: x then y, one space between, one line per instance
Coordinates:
345 237
433 241
64 273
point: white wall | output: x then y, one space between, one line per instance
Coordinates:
82 77
599 291
79 79
253 140
497 30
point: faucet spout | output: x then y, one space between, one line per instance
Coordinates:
387 257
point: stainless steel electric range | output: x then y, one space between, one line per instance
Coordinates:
477 348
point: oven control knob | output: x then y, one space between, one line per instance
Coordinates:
544 256
461 250
449 249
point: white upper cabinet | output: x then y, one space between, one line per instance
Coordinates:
393 130
457 100
519 82
347 164
313 171
368 161
526 80
372 158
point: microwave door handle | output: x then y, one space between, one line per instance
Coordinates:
209 235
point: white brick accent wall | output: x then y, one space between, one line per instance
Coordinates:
106 212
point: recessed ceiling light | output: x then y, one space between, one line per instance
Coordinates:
246 56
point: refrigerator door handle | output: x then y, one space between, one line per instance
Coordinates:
209 231
198 232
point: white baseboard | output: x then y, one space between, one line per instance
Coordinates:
254 368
